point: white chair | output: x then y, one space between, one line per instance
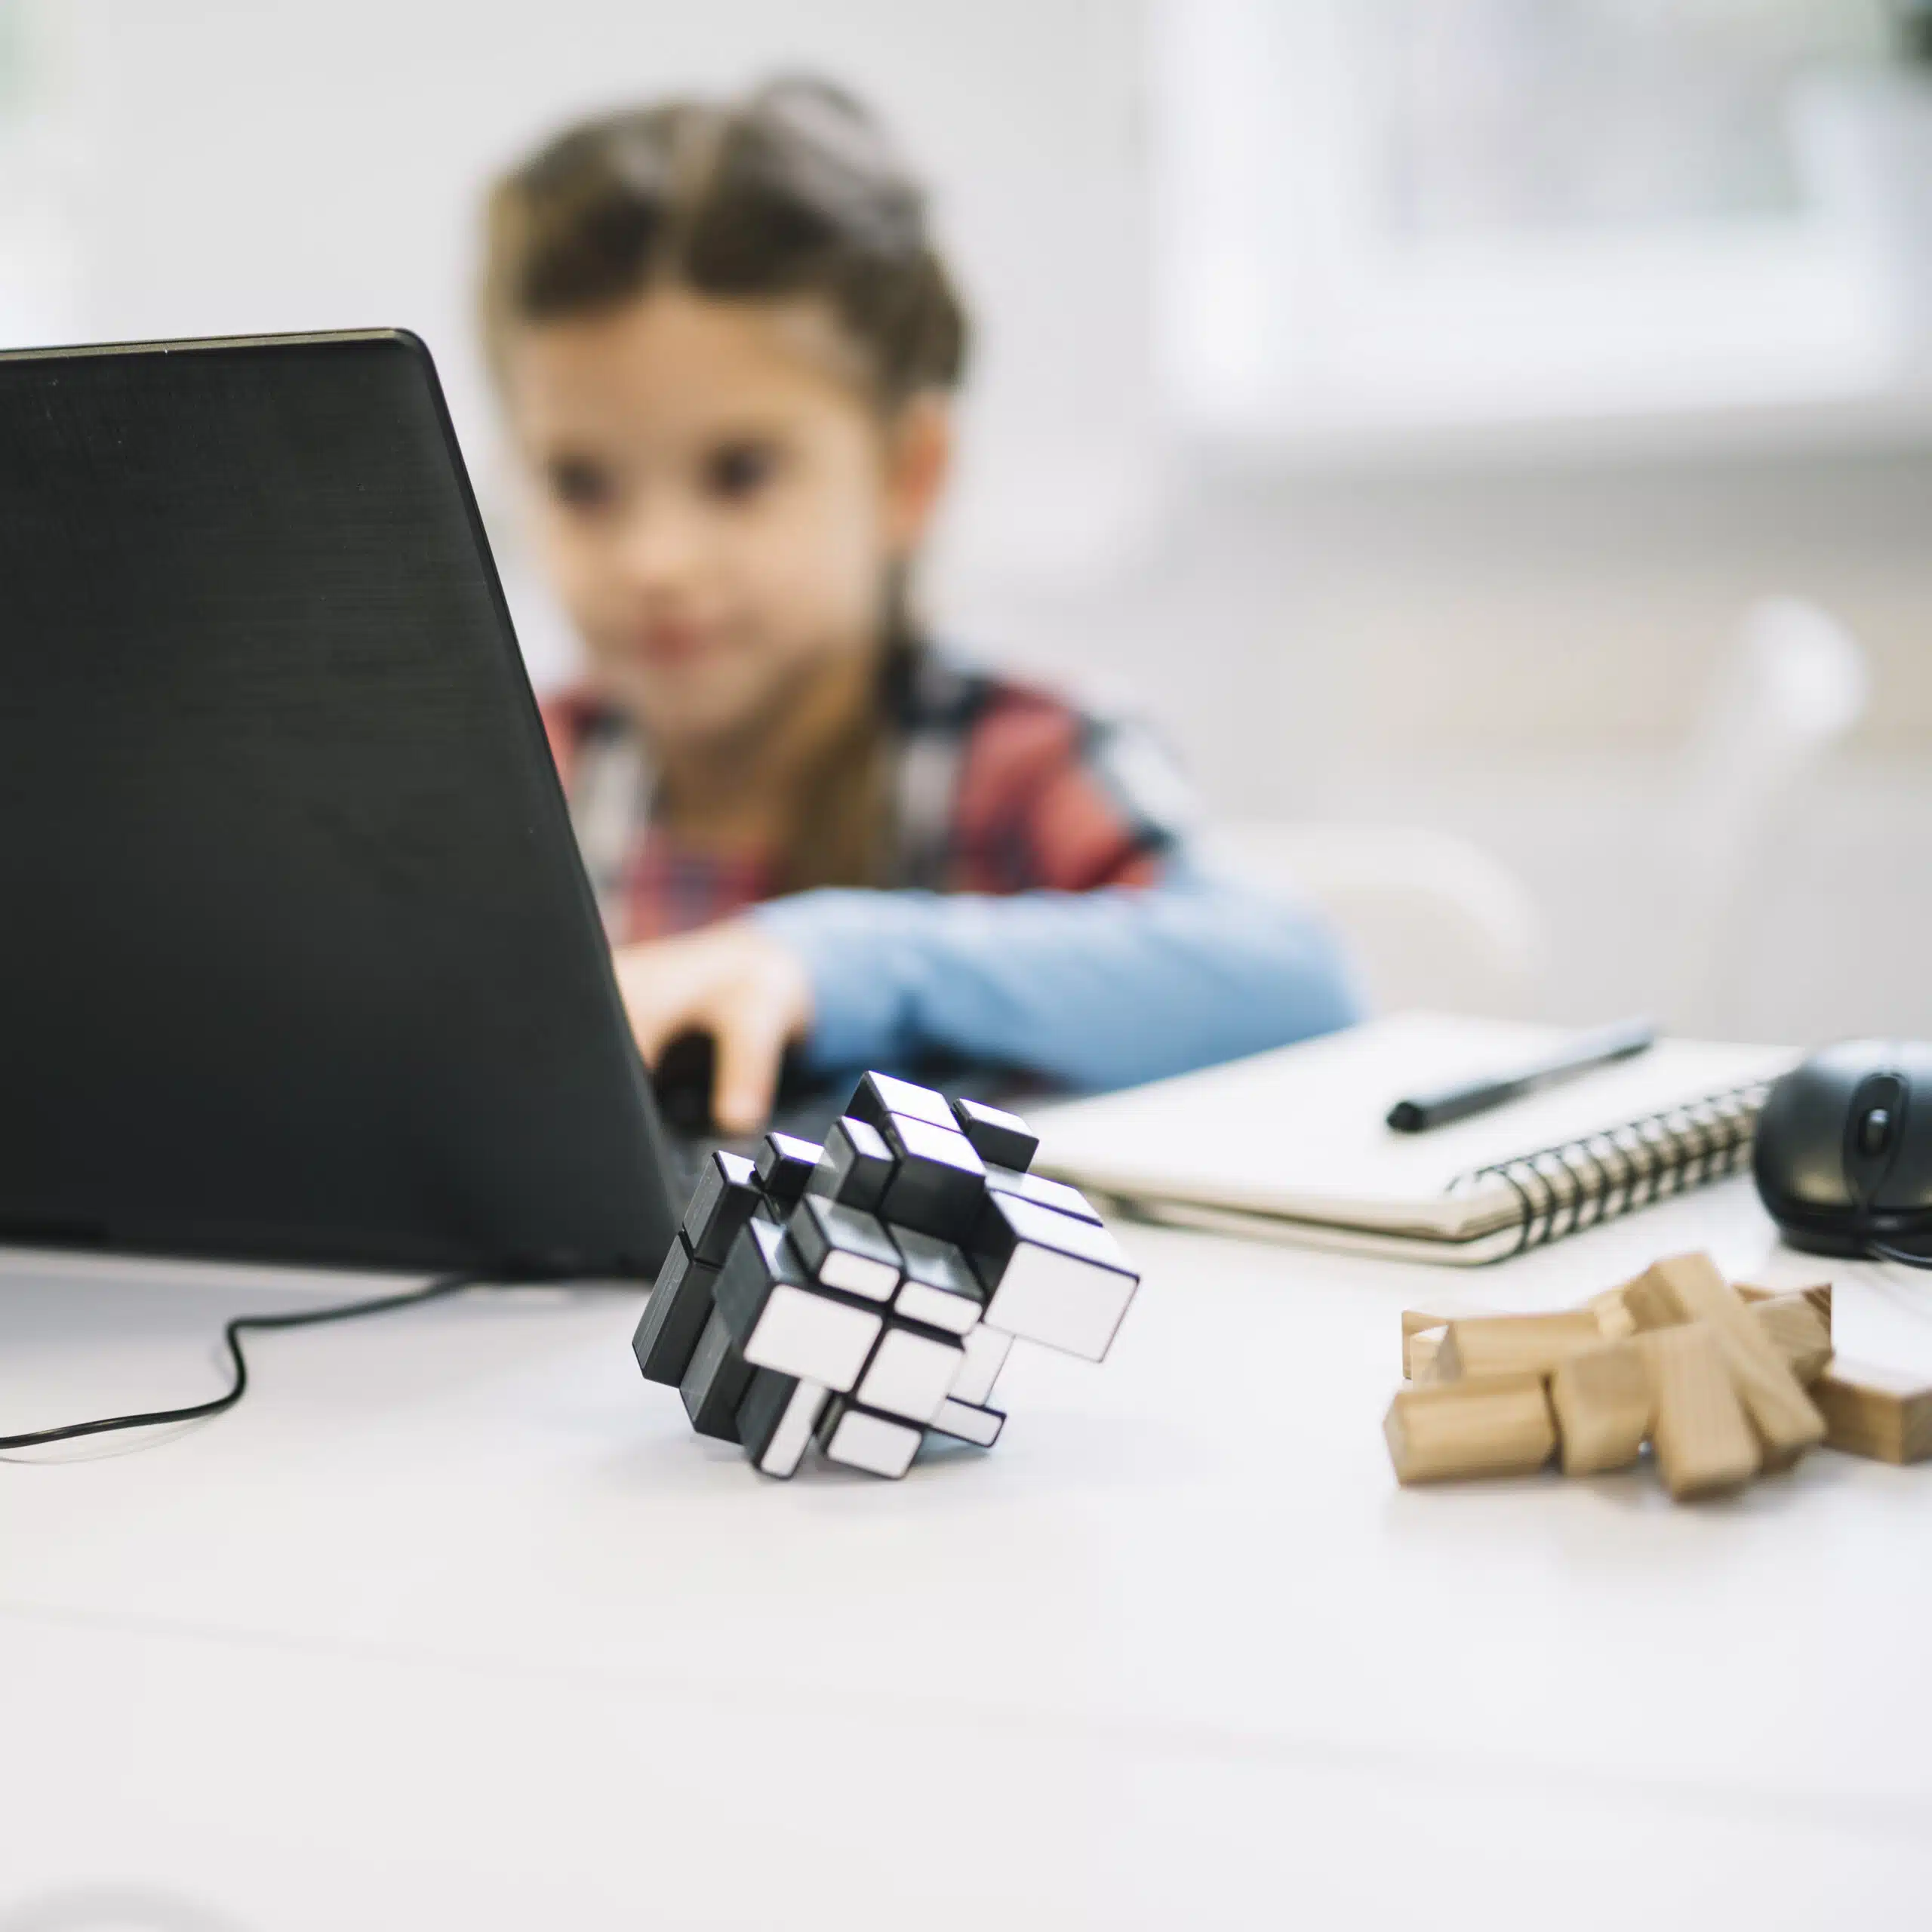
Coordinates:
1790 689
1432 919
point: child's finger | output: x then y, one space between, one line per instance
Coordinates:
751 1031
651 1024
655 1004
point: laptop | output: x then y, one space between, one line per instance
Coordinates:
299 963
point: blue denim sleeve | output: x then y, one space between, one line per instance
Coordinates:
1092 990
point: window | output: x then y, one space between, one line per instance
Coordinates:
1383 214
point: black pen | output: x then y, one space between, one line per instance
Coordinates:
1584 1050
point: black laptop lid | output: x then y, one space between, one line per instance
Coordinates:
297 961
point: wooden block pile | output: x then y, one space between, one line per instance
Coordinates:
1723 1382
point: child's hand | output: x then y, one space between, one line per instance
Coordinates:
748 990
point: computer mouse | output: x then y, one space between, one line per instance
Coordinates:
683 1078
1843 1158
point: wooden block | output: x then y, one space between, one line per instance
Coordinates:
1603 1405
1415 1320
1649 1301
1786 1419
1514 1344
1883 1413
1500 1426
1424 1346
1818 1293
1705 1443
1792 1324
1613 1314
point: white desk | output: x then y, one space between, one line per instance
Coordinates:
453 1623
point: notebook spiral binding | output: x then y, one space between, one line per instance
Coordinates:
1568 1188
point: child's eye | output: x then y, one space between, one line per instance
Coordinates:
580 484
738 470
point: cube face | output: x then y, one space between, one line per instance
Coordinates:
775 1419
878 1096
862 1441
784 1164
1000 1140
910 1374
715 1382
761 1259
1009 1221
964 1422
1050 1278
793 1436
940 1288
1061 1301
937 1182
1045 1193
845 1248
938 1308
862 1296
674 1318
854 1168
812 1336
983 1355
727 1192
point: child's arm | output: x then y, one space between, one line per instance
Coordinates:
1106 955
1093 988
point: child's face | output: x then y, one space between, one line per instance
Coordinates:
719 503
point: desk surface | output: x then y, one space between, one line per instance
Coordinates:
454 1622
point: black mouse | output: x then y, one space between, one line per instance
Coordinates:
1843 1160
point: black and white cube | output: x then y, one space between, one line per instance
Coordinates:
864 1296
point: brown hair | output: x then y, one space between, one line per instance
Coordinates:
794 190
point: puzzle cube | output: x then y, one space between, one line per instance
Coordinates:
1050 1277
984 1352
784 1164
845 1248
910 1374
726 1195
965 1422
861 1295
864 1440
854 1166
878 1096
1055 1194
716 1381
674 1318
776 1418
1000 1140
782 1319
937 1182
940 1288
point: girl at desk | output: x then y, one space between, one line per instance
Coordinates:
727 348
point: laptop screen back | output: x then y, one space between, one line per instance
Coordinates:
297 961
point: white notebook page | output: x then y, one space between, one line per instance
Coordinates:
1301 1132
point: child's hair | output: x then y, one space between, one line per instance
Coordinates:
794 190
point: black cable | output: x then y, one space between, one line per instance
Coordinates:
1898 1254
302 1318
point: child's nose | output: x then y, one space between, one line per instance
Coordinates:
662 546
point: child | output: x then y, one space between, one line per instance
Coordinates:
726 348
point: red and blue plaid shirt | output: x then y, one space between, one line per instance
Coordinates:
999 787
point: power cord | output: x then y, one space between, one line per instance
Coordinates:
1898 1254
304 1317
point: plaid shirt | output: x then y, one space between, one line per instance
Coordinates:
999 787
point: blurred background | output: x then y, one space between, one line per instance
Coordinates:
1493 437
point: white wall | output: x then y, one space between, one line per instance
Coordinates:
1512 651
258 165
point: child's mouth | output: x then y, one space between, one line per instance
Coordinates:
670 646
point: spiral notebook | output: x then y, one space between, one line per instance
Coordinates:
1292 1145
